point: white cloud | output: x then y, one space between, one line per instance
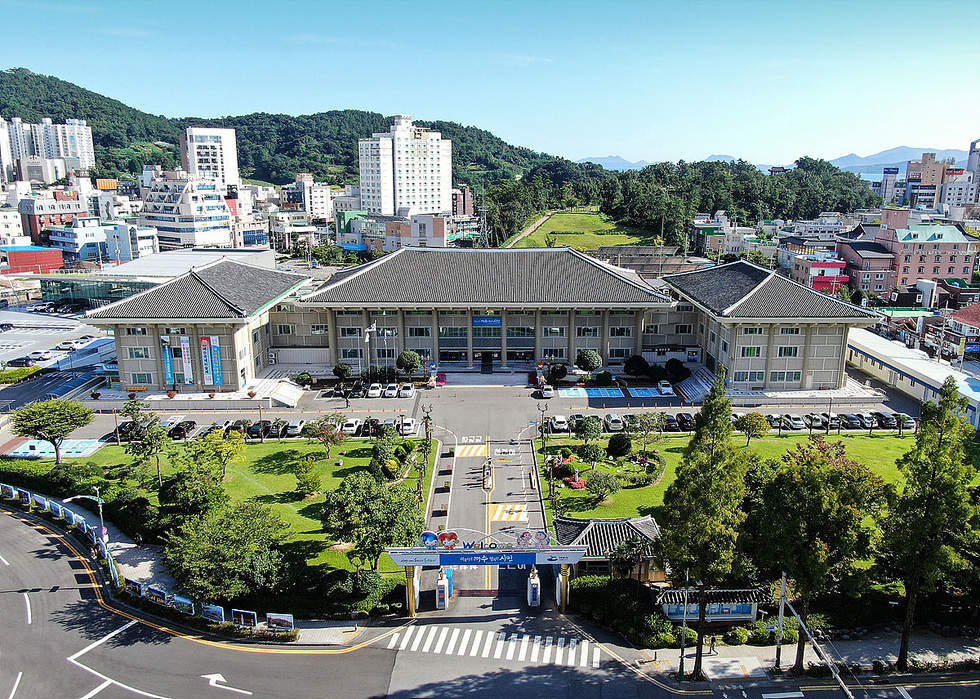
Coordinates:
312 39
519 61
127 32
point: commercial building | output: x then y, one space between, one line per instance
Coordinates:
359 231
409 168
83 240
12 228
821 272
187 210
127 241
40 213
211 154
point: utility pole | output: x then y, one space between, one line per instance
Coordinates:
779 638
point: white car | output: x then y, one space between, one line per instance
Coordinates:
547 391
793 422
559 423
408 427
407 390
39 306
351 426
41 355
71 345
374 390
665 388
295 428
391 390
614 423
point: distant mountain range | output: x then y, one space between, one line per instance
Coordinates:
871 164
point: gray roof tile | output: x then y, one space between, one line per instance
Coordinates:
603 535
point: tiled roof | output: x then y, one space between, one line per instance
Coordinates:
603 535
932 233
222 289
453 276
758 595
869 249
969 315
744 290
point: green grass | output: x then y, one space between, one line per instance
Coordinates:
586 231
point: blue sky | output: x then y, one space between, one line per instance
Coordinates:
768 81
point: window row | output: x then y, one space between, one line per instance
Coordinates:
783 351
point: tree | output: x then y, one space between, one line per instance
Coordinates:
636 366
645 425
343 371
810 521
307 479
51 421
588 360
701 515
194 488
278 426
620 444
588 428
219 449
752 425
602 484
409 362
557 372
929 522
229 552
148 439
372 516
325 430
628 556
590 453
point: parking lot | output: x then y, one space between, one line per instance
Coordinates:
41 333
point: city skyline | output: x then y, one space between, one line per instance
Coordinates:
645 81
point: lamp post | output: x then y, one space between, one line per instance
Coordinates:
680 667
103 532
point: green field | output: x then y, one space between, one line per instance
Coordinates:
585 231
878 452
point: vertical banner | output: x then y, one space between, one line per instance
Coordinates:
185 350
168 360
216 360
206 371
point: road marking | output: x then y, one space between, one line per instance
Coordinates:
595 657
487 645
512 646
27 602
510 513
476 643
498 651
97 689
471 450
16 685
560 650
547 650
572 645
441 641
74 660
462 644
903 692
794 695
585 653
405 639
525 639
4 561
393 641
102 640
213 681
535 648
418 638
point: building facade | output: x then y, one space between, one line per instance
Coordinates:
187 211
211 154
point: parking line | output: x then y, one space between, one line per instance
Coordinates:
462 644
16 685
535 648
408 635
429 640
452 642
418 638
27 602
97 689
442 639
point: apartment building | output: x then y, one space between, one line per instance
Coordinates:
211 154
187 210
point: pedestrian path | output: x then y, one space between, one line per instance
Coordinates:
742 667
498 645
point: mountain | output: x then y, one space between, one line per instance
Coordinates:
614 162
271 147
720 159
895 157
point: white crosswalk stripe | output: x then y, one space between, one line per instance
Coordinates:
498 645
510 513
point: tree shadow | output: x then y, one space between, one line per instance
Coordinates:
306 549
313 511
277 462
278 498
358 453
78 616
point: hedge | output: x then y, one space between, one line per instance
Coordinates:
19 374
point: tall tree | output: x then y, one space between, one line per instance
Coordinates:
588 428
810 521
752 425
51 421
701 515
409 361
219 449
931 520
326 430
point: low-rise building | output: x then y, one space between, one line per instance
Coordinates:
824 273
29 259
83 240
187 210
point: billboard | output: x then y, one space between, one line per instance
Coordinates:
207 373
184 604
487 321
156 594
185 351
240 617
168 360
133 587
279 622
216 359
213 612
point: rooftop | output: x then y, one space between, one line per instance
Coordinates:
603 535
868 249
176 262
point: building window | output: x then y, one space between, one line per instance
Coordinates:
751 331
651 330
284 329
782 376
587 332
880 275
724 346
621 331
553 353
486 332
520 331
139 352
420 331
386 353
620 353
682 329
935 270
418 313
387 332
751 351
318 329
452 331
789 331
554 331
141 378
685 307
176 331
351 353
136 331
754 376
789 351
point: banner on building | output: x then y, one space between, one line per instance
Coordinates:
168 360
216 360
206 372
185 351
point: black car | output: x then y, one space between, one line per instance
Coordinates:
260 429
357 390
671 424
21 361
850 421
4 327
886 421
370 427
685 421
211 430
182 430
236 426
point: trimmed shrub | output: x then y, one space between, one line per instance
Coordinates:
19 374
736 637
604 378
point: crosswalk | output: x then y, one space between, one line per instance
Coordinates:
500 645
510 513
471 450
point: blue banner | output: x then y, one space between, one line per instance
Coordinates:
168 360
487 321
487 557
216 361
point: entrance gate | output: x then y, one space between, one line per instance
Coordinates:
530 548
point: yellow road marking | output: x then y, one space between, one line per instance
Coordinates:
471 450
510 513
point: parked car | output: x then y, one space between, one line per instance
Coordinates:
351 426
41 355
4 327
407 390
613 422
774 420
671 423
391 390
357 390
685 421
832 418
260 429
370 427
813 421
886 421
734 418
68 346
295 427
375 390
182 430
793 422
559 423
907 422
665 388
547 391
850 421
408 426
37 306
87 338
573 420
236 426
21 361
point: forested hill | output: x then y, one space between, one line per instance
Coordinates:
271 147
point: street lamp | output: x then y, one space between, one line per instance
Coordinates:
103 532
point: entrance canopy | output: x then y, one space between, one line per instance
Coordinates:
449 549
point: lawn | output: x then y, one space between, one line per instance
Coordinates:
878 452
586 231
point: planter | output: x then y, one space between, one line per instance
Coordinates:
252 394
171 394
211 395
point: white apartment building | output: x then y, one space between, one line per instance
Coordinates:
6 156
961 189
316 198
126 241
210 153
83 239
405 171
187 211
12 228
73 139
826 226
